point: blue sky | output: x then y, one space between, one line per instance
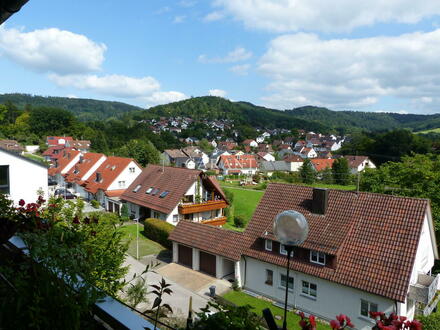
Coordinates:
375 56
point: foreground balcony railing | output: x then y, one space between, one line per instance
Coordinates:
188 208
215 222
425 292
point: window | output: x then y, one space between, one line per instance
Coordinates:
269 277
309 289
149 190
4 179
164 194
367 307
132 169
98 177
175 217
121 184
155 191
136 189
317 257
283 250
268 245
283 281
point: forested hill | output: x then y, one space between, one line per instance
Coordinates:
308 117
83 109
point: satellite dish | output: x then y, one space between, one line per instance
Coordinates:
290 228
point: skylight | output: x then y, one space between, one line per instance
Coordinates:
149 190
155 191
164 194
136 189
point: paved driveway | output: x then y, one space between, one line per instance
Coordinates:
184 282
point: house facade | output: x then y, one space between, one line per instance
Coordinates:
21 177
359 163
238 164
347 257
174 194
65 160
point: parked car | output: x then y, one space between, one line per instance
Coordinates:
66 194
51 182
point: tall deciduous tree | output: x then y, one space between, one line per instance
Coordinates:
144 152
306 172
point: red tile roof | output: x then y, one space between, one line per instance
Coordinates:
114 193
54 140
82 167
320 164
293 159
66 157
109 170
355 161
238 162
51 151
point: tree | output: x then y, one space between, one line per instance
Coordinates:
144 152
341 171
206 146
306 172
51 121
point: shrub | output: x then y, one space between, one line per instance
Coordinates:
158 231
124 212
95 203
430 322
261 186
235 286
229 196
239 221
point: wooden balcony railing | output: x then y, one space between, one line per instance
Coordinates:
202 207
215 222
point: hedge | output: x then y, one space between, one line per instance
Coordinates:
430 322
158 230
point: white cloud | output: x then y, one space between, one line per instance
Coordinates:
214 16
179 19
162 10
240 69
52 50
165 97
217 92
344 73
114 85
330 16
187 3
236 55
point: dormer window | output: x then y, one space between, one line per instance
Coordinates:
76 170
98 177
317 257
283 250
268 245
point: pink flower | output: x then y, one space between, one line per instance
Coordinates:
21 202
312 320
335 324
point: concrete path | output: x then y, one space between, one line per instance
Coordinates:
179 300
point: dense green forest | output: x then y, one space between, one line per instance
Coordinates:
83 109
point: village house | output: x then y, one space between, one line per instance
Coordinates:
250 143
265 156
269 167
110 180
11 145
65 160
21 177
321 164
238 164
174 194
81 145
368 252
359 163
87 164
295 162
53 141
307 153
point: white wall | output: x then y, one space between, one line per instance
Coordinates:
25 178
93 168
126 176
332 299
295 166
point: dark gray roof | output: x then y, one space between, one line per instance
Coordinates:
278 165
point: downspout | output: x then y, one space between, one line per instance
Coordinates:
245 271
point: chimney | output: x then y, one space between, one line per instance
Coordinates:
320 200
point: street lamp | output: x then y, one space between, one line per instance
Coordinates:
137 238
290 228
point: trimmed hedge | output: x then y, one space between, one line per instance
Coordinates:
158 230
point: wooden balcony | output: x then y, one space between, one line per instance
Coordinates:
202 207
215 222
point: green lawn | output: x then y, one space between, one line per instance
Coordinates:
434 130
244 204
146 246
35 157
240 298
236 184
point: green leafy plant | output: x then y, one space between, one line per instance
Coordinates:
159 291
158 231
239 221
95 203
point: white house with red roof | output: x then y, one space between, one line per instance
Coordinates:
63 163
359 163
250 142
238 164
53 141
367 252
109 181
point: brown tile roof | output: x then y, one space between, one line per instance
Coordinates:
11 145
320 164
82 167
176 180
51 151
208 238
373 236
66 156
175 153
239 162
114 193
80 144
293 159
355 161
109 170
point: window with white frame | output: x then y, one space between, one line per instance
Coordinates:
367 307
268 245
121 184
283 250
269 277
317 257
131 169
283 280
4 179
175 217
309 289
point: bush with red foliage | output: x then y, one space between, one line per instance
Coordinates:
307 323
394 322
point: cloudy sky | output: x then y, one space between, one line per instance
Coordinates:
361 55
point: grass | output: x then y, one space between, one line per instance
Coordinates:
146 246
35 157
236 184
240 298
244 204
434 130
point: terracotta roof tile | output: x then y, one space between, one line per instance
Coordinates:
320 164
77 172
66 156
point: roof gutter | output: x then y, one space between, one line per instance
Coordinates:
10 7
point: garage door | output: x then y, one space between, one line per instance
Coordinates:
207 263
185 255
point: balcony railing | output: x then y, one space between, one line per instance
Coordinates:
424 292
215 222
188 208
